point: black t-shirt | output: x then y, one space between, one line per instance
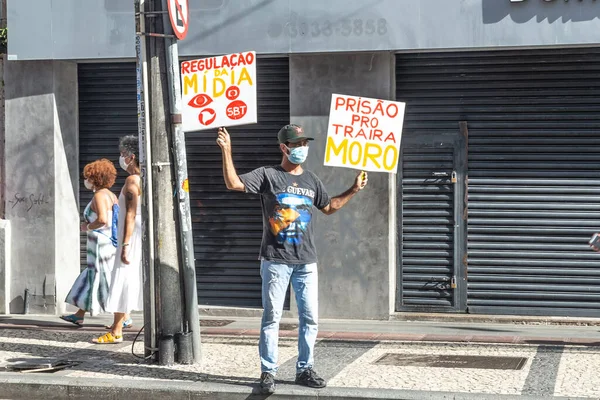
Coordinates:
287 206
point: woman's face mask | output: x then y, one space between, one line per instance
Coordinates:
88 185
123 163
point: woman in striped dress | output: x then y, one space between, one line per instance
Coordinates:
126 285
90 291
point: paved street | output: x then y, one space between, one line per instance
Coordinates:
563 364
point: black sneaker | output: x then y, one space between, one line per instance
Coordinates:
267 383
310 378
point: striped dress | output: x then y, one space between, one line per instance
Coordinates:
90 290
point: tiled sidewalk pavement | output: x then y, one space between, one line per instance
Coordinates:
560 370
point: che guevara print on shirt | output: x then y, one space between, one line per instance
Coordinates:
291 217
288 202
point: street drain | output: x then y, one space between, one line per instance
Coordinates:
449 361
215 322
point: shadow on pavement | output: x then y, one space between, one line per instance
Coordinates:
22 323
124 365
64 336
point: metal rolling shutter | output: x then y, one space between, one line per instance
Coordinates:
107 111
534 181
228 225
427 227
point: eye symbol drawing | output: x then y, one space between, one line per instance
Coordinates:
200 100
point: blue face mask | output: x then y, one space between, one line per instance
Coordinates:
297 154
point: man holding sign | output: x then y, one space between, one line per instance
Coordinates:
288 252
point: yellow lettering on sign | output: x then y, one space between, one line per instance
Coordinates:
190 83
343 148
370 156
391 165
358 153
355 149
218 92
245 77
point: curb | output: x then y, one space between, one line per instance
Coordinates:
19 386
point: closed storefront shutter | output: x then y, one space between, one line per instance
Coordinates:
107 111
533 180
432 237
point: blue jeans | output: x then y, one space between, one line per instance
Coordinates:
275 280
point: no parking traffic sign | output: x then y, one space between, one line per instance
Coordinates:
179 13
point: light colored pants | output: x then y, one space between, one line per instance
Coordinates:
275 280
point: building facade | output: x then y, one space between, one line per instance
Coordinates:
496 196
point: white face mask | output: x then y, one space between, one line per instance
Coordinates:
88 185
123 163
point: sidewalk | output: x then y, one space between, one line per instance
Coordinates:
360 359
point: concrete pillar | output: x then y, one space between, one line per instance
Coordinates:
356 255
41 188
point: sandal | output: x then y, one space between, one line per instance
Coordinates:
128 323
108 339
72 319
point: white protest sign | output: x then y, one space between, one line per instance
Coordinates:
364 133
219 91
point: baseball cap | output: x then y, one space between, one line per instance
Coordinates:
292 133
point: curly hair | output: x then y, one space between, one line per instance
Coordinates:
101 173
130 145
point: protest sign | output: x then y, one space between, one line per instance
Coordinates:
219 91
364 133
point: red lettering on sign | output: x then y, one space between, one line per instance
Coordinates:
195 66
355 132
185 67
348 131
233 60
390 137
236 110
363 106
350 103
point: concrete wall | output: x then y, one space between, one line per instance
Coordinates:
66 179
75 29
353 244
41 179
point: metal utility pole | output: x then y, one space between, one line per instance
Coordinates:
150 343
191 317
167 257
178 325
